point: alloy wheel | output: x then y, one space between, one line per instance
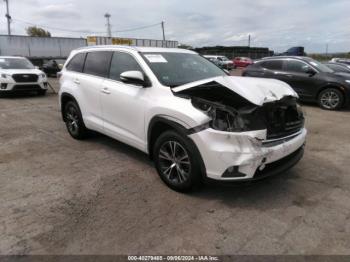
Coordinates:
72 120
330 99
174 162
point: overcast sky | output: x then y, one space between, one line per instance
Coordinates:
277 24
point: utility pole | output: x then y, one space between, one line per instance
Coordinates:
109 32
163 30
249 54
8 17
327 49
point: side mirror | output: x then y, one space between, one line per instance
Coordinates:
133 77
310 71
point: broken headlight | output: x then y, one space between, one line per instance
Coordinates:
223 118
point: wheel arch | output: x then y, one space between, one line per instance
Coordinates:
157 126
65 98
160 124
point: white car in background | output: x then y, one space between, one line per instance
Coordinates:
224 61
341 60
195 122
18 74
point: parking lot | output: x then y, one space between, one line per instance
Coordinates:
99 196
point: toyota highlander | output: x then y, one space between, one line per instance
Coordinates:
196 122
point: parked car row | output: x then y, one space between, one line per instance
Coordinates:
225 63
312 80
221 61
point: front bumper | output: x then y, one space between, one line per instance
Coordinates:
244 156
12 86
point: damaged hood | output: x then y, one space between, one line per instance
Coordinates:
256 90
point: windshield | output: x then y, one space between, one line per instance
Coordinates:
323 68
15 63
175 69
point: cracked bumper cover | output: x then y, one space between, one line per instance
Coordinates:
247 151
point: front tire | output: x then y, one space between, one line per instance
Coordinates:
177 161
331 99
74 121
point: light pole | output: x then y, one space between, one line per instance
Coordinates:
109 32
163 31
8 17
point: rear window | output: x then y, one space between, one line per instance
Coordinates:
97 63
273 65
76 64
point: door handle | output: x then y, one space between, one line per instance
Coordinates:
77 81
105 90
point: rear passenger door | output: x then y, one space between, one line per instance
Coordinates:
95 70
123 104
273 69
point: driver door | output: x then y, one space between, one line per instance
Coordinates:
123 104
298 77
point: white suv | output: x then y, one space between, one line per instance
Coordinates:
19 74
196 122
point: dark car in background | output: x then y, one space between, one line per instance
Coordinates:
312 80
52 67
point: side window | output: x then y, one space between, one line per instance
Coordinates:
273 65
97 63
76 64
122 62
296 66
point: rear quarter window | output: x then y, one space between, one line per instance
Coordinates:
76 64
272 65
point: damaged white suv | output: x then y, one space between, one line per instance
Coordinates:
196 122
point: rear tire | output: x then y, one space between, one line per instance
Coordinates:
177 161
331 99
74 121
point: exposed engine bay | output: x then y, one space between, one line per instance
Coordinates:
231 112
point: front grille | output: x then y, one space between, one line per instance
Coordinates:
23 78
26 87
282 118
